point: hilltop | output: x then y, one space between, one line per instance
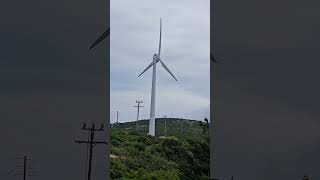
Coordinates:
174 127
176 156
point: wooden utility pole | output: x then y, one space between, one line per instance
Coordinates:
165 125
91 143
181 127
117 117
25 167
138 107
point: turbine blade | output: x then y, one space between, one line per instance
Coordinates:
213 58
151 64
164 66
102 37
160 38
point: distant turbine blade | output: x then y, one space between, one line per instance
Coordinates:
102 37
151 64
213 59
162 63
160 38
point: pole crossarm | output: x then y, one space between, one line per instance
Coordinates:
28 159
100 142
80 142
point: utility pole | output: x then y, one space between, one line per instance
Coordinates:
138 106
181 128
117 117
305 177
25 167
208 127
165 125
91 143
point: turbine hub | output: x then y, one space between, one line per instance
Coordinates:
156 57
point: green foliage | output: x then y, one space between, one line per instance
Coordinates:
178 156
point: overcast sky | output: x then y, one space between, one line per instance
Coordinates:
185 50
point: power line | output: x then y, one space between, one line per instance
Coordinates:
91 143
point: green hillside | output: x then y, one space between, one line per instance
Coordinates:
180 155
175 127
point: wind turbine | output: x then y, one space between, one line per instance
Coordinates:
156 59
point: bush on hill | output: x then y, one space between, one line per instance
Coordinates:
144 157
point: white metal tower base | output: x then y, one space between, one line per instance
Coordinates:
152 122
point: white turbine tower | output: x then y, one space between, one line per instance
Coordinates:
156 59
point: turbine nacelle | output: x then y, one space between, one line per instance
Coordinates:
156 58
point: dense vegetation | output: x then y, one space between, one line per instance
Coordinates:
179 155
